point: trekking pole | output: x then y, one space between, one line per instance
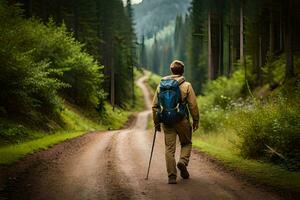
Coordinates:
154 137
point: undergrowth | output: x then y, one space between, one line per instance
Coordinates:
263 129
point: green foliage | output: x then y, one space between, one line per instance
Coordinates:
271 131
28 85
11 133
138 73
266 173
80 71
17 141
153 81
39 62
85 77
267 130
219 96
139 103
222 91
114 118
212 119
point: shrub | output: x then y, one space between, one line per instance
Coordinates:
27 86
268 129
213 119
223 90
38 62
12 133
271 131
80 71
219 96
154 81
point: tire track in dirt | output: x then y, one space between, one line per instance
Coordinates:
116 185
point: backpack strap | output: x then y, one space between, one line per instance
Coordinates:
181 81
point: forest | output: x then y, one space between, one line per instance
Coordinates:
69 67
67 49
215 35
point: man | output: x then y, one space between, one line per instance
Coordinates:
181 128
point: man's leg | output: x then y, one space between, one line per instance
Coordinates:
184 132
170 148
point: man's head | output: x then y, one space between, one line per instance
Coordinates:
177 67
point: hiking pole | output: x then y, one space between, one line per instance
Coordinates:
154 137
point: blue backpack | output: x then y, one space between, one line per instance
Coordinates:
171 109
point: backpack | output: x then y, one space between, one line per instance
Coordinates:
171 108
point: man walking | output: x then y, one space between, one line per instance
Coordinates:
171 100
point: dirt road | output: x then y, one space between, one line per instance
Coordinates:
112 165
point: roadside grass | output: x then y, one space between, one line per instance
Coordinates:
153 81
76 123
138 73
150 124
139 104
114 118
12 153
258 171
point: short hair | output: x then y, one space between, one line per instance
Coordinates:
177 67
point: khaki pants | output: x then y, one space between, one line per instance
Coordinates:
184 131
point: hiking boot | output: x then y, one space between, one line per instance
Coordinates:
183 171
172 180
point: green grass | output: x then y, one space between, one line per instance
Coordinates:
115 118
138 73
76 123
226 139
139 99
153 81
12 153
265 173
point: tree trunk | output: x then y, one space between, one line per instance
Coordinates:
241 35
210 67
221 46
12 2
58 18
28 7
289 39
281 32
112 81
229 52
271 47
260 62
76 20
44 10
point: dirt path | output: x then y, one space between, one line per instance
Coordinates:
112 165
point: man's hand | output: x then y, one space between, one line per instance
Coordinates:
157 128
195 126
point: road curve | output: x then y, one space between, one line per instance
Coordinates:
112 165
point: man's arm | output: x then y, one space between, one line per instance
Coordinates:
193 107
155 107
